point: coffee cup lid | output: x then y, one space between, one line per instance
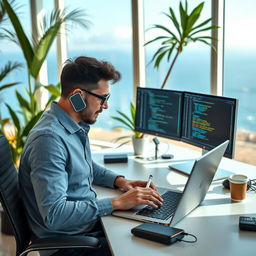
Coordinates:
238 178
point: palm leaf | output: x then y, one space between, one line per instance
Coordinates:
201 24
186 28
183 17
158 52
174 20
52 98
194 16
165 29
8 68
23 40
31 124
133 112
205 42
23 102
10 35
2 87
204 29
41 49
53 89
171 51
155 39
126 124
14 117
159 58
127 118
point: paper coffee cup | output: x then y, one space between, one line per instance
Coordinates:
238 186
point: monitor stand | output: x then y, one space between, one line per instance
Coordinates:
186 168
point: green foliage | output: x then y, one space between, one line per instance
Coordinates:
9 66
127 122
24 119
186 30
36 53
21 121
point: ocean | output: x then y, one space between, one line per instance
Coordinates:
191 72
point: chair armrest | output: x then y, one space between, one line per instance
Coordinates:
61 242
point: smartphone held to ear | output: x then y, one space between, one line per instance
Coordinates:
77 102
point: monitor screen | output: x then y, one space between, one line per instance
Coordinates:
159 112
209 120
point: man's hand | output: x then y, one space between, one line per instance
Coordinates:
137 196
125 185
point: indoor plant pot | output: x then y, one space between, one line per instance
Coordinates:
140 145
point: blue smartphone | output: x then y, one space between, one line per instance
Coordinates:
77 102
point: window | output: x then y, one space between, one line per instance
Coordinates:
109 38
192 68
12 52
239 71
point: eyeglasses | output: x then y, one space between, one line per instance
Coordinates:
103 98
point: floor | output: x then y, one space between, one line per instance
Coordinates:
8 246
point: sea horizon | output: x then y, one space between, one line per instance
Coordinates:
185 77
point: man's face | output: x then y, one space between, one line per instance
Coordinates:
94 104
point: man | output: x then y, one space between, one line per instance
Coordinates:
56 170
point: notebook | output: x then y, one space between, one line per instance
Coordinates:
198 183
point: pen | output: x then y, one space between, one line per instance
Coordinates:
149 181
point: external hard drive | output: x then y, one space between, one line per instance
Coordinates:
115 158
158 233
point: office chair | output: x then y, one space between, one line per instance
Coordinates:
13 207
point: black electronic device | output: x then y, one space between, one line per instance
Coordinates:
247 223
167 156
115 158
77 102
159 112
225 184
208 120
158 233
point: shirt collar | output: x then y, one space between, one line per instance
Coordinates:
68 123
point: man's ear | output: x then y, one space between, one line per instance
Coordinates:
75 91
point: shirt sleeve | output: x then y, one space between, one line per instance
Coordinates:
103 176
49 179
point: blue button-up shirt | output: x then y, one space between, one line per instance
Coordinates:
56 176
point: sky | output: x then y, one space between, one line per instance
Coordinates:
111 22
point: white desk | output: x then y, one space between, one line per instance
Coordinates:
215 222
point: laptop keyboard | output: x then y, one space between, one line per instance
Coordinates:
166 210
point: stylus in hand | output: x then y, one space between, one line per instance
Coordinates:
149 181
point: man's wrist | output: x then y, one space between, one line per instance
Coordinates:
117 180
115 204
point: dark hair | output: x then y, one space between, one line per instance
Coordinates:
85 73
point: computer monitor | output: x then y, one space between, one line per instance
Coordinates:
209 120
159 112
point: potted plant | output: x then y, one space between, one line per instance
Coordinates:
185 30
21 121
128 121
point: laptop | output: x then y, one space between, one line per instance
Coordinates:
178 204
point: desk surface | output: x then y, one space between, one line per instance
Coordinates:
214 222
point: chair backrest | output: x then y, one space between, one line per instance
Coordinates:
10 197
